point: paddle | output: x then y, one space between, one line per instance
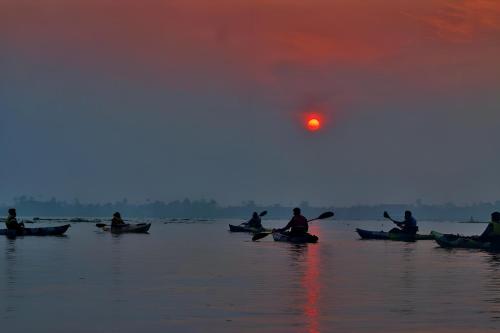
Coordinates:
386 215
261 235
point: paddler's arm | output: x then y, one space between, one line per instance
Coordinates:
249 222
288 226
398 223
16 223
487 231
117 222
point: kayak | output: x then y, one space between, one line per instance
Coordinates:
128 228
366 234
285 237
44 231
465 242
240 228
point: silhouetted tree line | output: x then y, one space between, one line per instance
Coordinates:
29 206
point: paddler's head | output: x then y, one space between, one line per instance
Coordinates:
407 214
12 212
255 215
495 217
296 211
117 214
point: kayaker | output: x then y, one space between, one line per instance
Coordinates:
11 221
254 222
117 220
408 226
298 224
492 232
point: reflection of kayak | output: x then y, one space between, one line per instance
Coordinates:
285 237
457 241
44 231
240 228
128 228
366 234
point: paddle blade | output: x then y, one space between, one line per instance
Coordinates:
100 225
260 235
264 213
325 216
386 215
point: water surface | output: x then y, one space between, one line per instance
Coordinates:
197 277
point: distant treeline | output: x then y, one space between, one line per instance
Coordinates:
29 206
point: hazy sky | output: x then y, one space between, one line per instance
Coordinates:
106 99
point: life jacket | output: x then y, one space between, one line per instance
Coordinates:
255 222
299 224
495 230
116 221
11 222
411 222
410 226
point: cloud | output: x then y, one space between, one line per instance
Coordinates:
249 37
295 53
465 20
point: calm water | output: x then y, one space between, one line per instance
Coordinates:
201 278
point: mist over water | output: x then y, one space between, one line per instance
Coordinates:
197 277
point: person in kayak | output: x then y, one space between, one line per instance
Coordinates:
117 220
492 232
254 222
408 226
298 224
11 221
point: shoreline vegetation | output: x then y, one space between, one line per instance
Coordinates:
210 209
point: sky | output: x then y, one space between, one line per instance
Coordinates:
102 100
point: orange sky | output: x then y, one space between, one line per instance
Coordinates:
301 53
255 40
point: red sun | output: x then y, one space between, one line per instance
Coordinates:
313 124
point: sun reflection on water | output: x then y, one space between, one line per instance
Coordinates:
312 287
